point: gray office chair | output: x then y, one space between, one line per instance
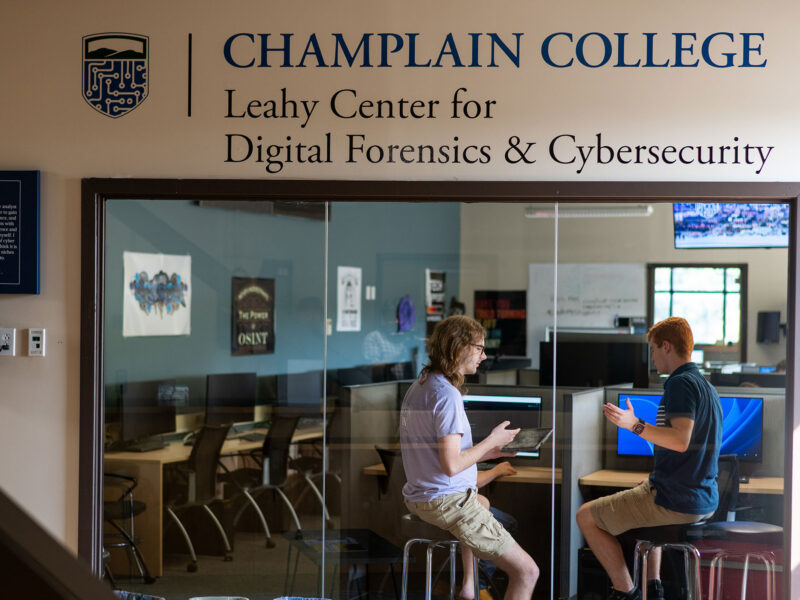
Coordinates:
310 469
199 489
271 473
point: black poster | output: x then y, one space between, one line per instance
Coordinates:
19 232
253 312
503 314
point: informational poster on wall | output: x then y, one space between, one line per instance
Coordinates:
435 293
253 316
348 313
157 294
590 296
19 232
504 316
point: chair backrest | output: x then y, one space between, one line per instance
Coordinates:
392 460
728 486
276 447
204 460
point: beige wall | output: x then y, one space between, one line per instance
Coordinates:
46 125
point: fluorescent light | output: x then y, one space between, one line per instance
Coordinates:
589 212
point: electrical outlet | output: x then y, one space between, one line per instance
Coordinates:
8 342
36 341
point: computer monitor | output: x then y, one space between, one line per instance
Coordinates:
595 360
146 410
302 390
742 425
230 398
486 410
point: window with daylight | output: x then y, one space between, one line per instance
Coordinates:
711 297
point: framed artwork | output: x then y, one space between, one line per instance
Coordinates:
252 316
19 232
157 294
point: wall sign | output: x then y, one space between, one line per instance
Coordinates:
19 232
253 313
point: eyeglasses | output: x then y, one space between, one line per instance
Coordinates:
479 347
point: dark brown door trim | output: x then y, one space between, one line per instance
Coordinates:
95 193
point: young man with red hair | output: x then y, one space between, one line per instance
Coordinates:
682 487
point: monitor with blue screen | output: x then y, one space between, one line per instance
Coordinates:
485 412
742 424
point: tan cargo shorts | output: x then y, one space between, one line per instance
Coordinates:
468 520
634 508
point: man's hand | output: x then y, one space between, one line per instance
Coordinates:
501 436
502 469
620 417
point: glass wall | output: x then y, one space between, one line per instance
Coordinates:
257 355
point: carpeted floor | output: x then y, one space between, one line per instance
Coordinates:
255 573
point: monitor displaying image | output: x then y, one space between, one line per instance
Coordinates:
742 424
730 225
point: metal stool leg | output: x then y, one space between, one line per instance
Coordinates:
717 565
691 573
406 552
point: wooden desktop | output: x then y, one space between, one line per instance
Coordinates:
148 469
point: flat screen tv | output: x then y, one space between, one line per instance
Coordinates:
742 423
486 411
730 225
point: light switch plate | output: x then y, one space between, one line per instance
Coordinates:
8 342
36 341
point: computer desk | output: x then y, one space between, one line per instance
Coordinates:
148 469
629 479
523 475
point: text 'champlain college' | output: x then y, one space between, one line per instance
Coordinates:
717 49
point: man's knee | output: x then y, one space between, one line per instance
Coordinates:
483 500
584 516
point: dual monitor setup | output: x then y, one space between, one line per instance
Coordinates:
147 409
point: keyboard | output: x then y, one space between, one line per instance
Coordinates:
146 446
255 436
485 466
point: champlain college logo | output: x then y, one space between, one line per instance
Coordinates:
115 79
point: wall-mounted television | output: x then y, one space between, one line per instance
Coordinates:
730 225
742 426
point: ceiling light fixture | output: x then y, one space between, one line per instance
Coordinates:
589 212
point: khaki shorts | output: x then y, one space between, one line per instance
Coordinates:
469 522
634 508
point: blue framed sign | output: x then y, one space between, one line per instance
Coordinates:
19 232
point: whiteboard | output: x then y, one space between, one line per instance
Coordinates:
589 295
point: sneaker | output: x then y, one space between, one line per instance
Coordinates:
634 594
655 591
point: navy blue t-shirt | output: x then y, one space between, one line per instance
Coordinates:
686 482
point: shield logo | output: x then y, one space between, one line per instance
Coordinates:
115 79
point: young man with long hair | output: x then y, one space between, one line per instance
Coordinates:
439 457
